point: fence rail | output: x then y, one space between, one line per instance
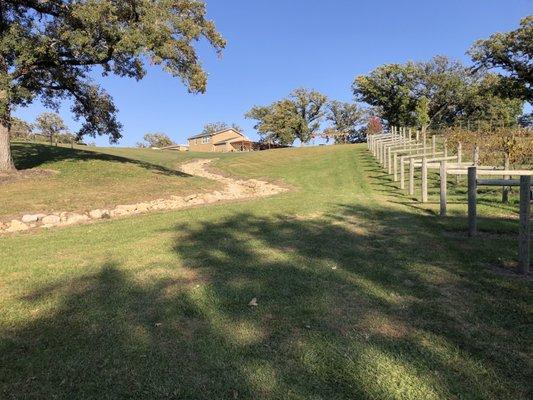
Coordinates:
398 148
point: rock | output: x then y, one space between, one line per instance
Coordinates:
191 197
253 302
95 214
51 220
27 218
63 216
76 219
17 226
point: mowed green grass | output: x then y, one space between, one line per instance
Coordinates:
362 294
84 178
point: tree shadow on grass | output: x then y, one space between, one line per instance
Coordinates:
31 156
359 303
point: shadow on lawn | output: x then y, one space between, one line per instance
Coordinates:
359 303
26 157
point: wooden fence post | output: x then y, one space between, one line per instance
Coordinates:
434 144
395 166
443 184
525 229
417 135
505 189
472 201
402 173
411 176
424 180
389 159
459 160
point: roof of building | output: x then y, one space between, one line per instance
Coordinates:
200 135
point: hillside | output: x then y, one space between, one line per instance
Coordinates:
353 280
64 179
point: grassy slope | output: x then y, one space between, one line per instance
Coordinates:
86 178
362 294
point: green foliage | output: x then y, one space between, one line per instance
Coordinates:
511 51
345 120
297 117
156 140
452 92
388 88
48 49
422 113
51 125
20 129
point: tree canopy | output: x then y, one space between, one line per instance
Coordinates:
156 139
346 121
296 117
48 48
50 125
512 52
452 92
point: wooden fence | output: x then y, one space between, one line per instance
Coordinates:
401 147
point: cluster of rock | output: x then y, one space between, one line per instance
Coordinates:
233 190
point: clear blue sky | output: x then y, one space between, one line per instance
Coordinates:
275 46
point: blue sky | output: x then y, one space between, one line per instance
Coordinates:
275 46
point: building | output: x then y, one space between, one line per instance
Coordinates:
225 141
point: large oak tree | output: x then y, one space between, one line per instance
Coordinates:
48 49
512 52
297 117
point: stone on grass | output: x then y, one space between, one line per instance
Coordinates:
96 214
76 218
17 226
51 220
28 218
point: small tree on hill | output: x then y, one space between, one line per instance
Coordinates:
374 126
422 113
50 125
345 119
156 140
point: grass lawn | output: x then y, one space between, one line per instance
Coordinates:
81 179
362 294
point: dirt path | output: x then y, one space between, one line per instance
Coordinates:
233 189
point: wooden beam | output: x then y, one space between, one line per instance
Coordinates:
525 225
472 201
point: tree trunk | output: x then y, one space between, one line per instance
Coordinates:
6 161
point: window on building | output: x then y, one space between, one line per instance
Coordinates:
206 139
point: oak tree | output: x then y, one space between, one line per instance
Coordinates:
49 48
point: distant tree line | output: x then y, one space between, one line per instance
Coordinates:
437 93
47 126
